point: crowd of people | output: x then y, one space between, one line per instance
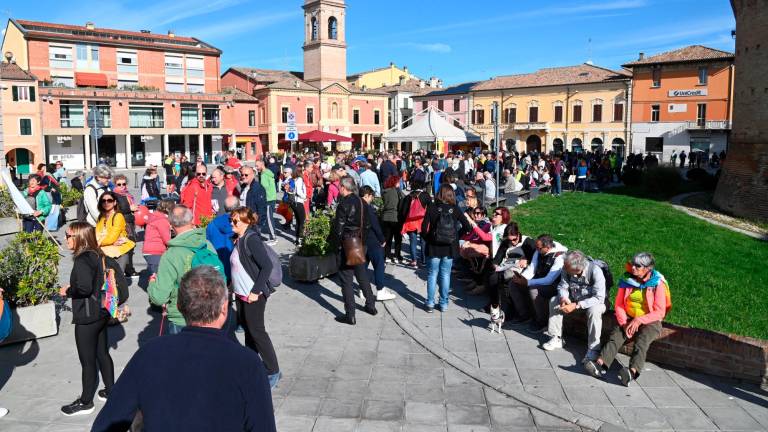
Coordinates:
207 244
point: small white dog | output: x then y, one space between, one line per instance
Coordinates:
497 318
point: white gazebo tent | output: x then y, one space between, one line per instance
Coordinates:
431 128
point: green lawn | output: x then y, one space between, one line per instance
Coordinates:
718 278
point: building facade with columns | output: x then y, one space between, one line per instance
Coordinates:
157 94
576 108
320 96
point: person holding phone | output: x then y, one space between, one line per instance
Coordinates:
250 269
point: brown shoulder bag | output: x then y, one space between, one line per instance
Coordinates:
353 246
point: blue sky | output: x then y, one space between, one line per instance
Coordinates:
443 38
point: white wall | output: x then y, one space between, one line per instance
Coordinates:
70 152
676 137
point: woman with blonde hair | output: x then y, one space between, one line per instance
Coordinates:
88 315
251 268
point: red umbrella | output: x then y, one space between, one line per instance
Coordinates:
320 136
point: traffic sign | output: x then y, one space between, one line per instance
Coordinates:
96 133
291 135
291 118
95 119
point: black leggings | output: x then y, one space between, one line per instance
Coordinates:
301 217
256 337
392 234
93 350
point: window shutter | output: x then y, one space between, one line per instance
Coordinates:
31 94
15 93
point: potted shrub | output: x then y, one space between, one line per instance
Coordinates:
9 222
314 259
70 198
28 275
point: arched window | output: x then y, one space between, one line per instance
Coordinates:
333 30
334 110
315 30
576 145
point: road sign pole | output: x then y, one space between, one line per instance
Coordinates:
495 116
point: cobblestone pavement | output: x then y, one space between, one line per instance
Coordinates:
375 377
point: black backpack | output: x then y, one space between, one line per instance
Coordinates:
82 212
445 232
603 266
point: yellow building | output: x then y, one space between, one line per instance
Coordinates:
21 138
578 108
381 77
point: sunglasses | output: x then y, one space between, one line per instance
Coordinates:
479 213
201 174
498 214
638 266
245 175
121 184
68 235
234 221
107 200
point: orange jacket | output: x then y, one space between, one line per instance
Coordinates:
657 304
198 198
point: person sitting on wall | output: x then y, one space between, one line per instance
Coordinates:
642 302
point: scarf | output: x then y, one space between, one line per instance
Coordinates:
32 191
629 281
125 194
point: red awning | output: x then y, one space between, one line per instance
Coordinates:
320 136
90 79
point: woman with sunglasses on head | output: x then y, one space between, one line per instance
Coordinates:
88 315
494 236
515 250
111 233
126 205
250 270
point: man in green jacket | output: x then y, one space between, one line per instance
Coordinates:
40 203
267 180
163 287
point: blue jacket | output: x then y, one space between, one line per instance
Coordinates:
256 199
374 236
219 233
197 380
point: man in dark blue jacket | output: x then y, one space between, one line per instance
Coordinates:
253 194
197 380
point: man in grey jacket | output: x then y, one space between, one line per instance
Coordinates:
99 184
581 289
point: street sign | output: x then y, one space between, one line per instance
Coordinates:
95 119
96 133
291 118
291 135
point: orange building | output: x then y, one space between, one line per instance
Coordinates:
20 129
682 100
156 94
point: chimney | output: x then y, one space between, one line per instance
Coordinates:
89 25
405 69
171 33
433 82
297 84
391 64
364 88
641 57
8 57
439 83
422 84
145 31
402 79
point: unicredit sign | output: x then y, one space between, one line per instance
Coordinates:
685 93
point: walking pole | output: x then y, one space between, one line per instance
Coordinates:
49 233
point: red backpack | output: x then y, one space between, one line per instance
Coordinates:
416 210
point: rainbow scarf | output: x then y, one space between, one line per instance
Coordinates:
110 298
630 282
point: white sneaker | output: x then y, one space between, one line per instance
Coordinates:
360 295
553 344
385 294
3 412
272 242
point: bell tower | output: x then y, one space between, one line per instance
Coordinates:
325 46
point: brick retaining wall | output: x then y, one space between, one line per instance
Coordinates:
696 349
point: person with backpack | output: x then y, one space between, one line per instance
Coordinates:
38 200
440 228
642 302
88 209
188 249
251 268
582 289
390 224
89 315
411 214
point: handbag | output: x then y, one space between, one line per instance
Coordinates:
353 246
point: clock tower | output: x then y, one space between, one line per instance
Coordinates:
325 47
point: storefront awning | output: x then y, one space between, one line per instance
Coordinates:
90 79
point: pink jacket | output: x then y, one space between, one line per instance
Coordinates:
157 234
657 303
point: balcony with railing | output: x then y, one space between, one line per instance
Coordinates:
708 125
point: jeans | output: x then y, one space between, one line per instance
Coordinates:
594 322
31 225
256 336
153 261
581 184
414 241
93 350
557 185
645 335
375 254
171 328
439 268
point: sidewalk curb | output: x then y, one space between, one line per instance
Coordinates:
676 202
492 381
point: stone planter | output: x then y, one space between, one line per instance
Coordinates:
9 226
310 269
33 322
